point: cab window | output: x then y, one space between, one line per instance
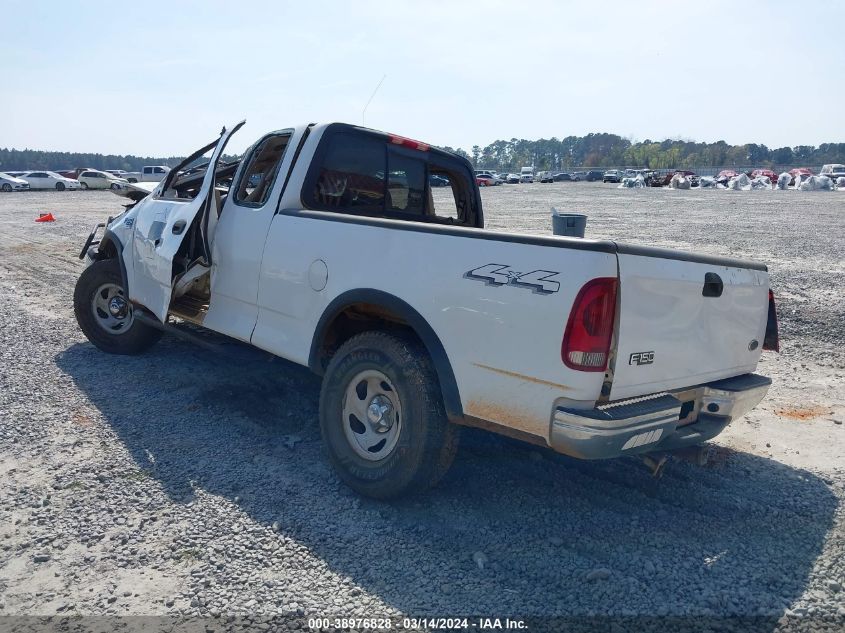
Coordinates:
262 166
365 173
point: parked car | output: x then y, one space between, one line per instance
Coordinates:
834 171
724 176
12 183
526 174
541 318
49 180
73 174
563 177
662 177
578 176
612 175
438 181
545 176
151 173
768 173
94 179
512 179
486 180
594 175
120 173
800 171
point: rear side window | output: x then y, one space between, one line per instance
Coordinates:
364 173
351 175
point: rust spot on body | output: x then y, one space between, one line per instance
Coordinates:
513 374
502 415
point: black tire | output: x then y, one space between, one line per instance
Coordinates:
60 186
426 443
7 187
134 338
84 185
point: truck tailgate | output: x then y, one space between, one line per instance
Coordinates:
684 322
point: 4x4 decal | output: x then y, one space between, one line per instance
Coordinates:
539 281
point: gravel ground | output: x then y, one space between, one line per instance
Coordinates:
168 484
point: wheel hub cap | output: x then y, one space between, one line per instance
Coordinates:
371 415
111 310
117 307
380 414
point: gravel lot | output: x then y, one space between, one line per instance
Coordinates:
169 484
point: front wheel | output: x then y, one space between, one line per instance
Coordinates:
7 187
104 313
382 417
84 185
60 186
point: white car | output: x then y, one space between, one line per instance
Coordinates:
120 173
833 171
11 183
49 180
417 318
94 179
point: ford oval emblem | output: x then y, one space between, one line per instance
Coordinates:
753 345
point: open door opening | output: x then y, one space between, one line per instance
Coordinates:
174 229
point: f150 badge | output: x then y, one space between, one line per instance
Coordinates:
539 281
641 358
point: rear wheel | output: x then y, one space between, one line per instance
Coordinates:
7 187
104 313
382 417
60 186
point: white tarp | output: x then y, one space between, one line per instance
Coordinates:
784 180
632 183
816 183
740 183
679 181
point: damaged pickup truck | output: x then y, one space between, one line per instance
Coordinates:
327 245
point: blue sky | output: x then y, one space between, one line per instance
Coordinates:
160 78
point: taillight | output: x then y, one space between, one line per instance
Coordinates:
586 341
771 341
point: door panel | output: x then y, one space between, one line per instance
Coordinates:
238 246
157 238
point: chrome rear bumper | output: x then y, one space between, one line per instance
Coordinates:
663 421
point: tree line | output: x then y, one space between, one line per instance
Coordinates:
592 150
611 150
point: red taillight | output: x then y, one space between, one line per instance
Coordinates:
771 341
409 142
586 341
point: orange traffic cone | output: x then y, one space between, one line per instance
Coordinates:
45 217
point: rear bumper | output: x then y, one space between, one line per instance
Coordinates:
659 422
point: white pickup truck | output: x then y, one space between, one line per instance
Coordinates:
326 245
149 173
